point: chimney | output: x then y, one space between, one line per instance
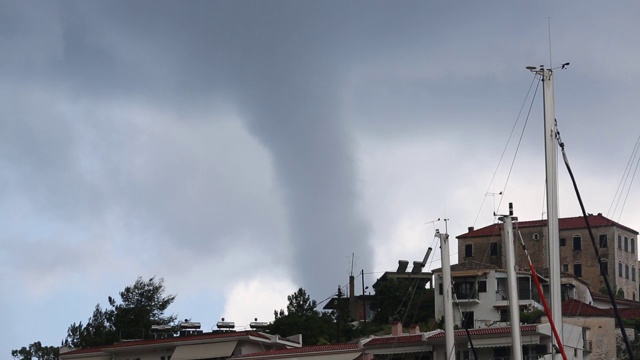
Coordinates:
396 328
402 266
414 329
470 228
352 287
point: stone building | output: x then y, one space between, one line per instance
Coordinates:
616 243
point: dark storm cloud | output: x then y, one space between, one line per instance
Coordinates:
279 66
280 72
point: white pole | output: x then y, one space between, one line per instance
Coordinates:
449 335
512 281
551 166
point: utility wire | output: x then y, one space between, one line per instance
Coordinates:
623 180
504 150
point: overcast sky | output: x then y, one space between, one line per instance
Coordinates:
241 150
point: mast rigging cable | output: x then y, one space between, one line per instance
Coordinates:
625 339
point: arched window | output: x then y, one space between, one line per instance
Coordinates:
577 242
620 268
619 241
626 243
633 273
604 267
603 241
577 269
633 246
626 271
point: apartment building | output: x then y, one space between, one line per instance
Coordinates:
617 244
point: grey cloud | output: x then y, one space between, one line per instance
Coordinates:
280 67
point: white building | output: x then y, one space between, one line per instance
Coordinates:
483 305
203 346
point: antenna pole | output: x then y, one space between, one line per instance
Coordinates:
549 31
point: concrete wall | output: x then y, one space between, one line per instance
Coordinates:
599 340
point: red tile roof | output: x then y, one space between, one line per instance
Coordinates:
578 308
401 339
177 340
488 331
629 313
304 350
577 222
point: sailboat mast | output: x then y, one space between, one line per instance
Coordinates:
449 335
551 166
512 281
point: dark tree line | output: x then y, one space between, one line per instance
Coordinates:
141 305
407 300
144 303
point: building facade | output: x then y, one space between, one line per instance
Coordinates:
616 243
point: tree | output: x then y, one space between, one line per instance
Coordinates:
407 300
301 304
36 351
141 305
302 317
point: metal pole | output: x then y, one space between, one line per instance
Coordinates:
364 303
551 166
512 282
449 335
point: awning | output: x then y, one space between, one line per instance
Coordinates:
505 341
204 351
85 356
467 273
350 356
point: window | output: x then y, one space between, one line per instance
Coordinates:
577 242
501 352
633 246
620 269
482 286
604 267
565 268
633 273
619 241
440 288
536 236
468 250
626 243
563 242
626 271
493 249
464 290
467 319
463 355
603 241
577 269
